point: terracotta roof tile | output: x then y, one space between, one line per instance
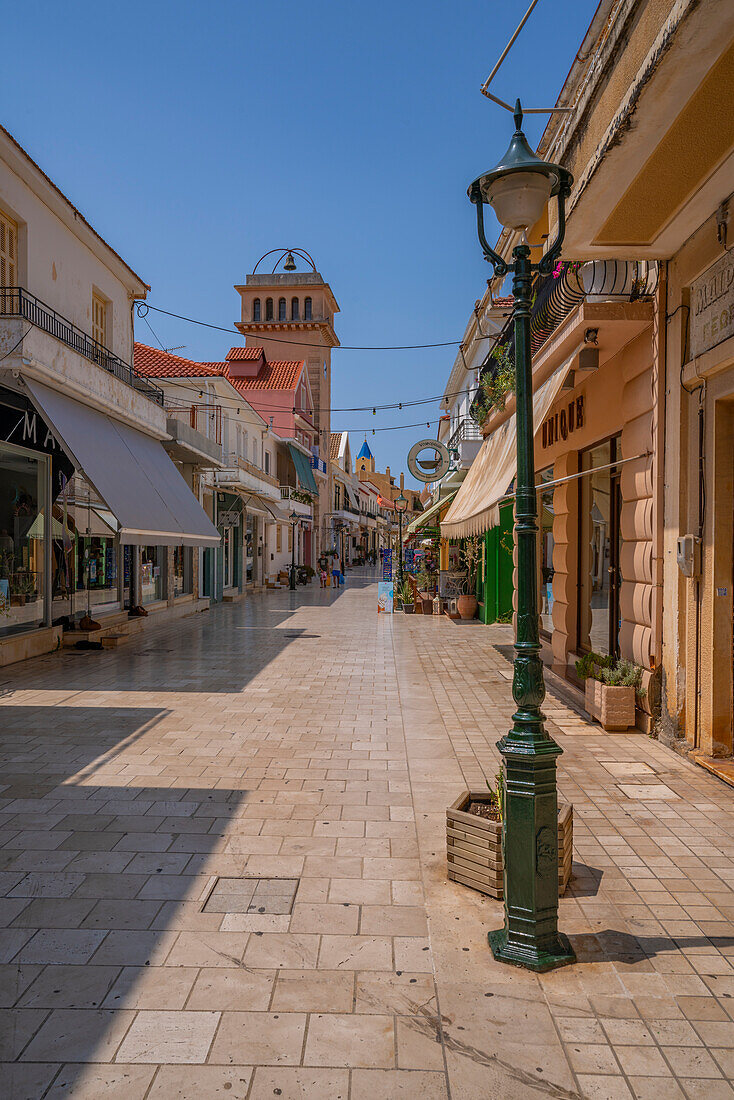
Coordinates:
335 441
155 363
501 302
244 353
282 374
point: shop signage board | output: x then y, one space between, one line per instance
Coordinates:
433 464
230 519
409 560
712 306
385 597
387 565
559 425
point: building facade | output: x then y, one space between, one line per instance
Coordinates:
291 314
92 508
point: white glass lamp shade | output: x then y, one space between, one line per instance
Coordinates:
519 198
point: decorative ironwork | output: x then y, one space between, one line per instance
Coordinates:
17 302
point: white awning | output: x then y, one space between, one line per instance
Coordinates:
259 506
131 473
475 507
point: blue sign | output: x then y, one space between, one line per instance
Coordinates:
387 565
409 558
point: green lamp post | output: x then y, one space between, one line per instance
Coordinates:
518 189
401 504
294 517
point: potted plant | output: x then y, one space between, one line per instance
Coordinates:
474 841
467 602
405 596
425 585
611 685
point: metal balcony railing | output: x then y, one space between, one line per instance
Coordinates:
467 429
290 492
205 419
17 302
318 464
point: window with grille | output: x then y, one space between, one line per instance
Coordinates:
256 309
281 309
8 259
99 320
307 309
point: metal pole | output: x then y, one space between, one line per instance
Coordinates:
292 584
530 936
400 550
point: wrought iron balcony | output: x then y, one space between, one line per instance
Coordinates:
17 302
467 429
318 464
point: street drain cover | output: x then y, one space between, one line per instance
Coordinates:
274 896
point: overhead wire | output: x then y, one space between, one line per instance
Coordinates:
140 306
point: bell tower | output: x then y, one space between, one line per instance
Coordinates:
290 314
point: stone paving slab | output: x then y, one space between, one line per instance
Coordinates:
300 738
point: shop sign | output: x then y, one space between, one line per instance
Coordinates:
385 597
387 565
25 428
712 306
559 425
229 519
434 463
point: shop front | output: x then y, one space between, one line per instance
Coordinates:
89 510
597 532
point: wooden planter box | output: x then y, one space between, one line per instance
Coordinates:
613 707
474 847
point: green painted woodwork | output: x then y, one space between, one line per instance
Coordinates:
495 584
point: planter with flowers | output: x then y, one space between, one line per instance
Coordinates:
611 686
467 604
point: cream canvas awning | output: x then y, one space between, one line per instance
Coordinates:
129 471
476 506
430 513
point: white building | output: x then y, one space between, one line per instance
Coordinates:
94 516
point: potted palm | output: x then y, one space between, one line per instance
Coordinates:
405 596
611 686
467 603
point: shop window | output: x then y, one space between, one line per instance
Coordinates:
268 309
295 310
599 549
256 309
307 311
250 548
281 309
545 557
153 573
183 571
22 542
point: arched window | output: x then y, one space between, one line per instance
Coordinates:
268 309
281 309
256 309
307 309
294 310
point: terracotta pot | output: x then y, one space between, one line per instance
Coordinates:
467 606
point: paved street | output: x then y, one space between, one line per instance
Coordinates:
299 738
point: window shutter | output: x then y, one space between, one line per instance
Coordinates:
8 251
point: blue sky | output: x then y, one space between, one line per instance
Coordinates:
196 137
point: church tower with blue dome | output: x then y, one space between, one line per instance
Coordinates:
365 462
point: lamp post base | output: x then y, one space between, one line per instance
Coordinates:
558 953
